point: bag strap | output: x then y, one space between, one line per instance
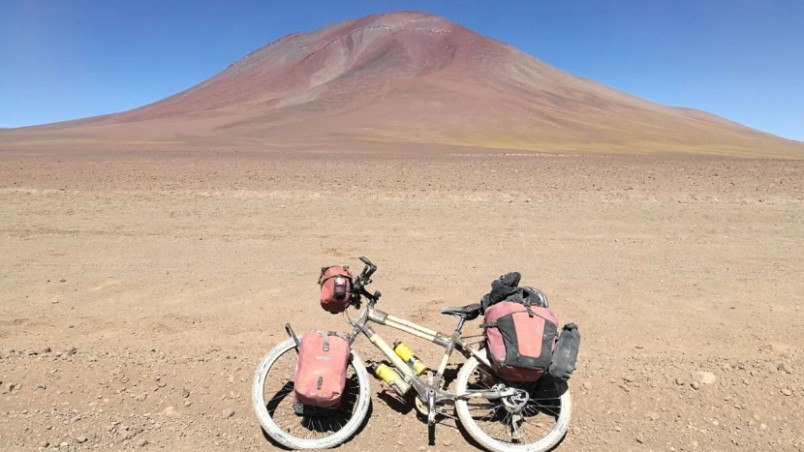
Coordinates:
530 314
341 287
527 307
325 345
322 280
326 334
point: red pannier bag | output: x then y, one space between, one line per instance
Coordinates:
321 369
336 288
520 339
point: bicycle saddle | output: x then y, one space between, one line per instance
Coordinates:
469 312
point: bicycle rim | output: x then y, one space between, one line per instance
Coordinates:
538 426
304 427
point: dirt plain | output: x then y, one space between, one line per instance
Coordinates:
138 290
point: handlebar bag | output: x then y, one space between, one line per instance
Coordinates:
321 369
520 339
336 288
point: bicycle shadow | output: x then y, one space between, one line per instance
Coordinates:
393 401
548 391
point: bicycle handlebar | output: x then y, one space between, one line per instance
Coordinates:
365 278
369 269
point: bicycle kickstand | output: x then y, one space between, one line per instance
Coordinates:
431 416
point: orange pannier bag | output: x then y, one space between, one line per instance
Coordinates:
321 369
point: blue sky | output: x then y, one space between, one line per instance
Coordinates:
743 60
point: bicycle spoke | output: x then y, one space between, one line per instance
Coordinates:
279 395
531 423
313 423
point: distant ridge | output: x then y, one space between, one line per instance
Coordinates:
411 80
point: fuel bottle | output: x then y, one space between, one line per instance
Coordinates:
391 377
407 355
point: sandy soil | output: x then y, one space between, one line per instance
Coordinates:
139 290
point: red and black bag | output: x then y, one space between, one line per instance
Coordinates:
336 288
321 369
520 339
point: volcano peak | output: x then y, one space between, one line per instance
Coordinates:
414 79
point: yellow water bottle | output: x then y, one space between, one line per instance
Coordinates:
392 378
407 355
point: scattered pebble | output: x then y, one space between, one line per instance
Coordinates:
787 391
228 413
784 367
706 378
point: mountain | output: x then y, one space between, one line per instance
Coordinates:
409 80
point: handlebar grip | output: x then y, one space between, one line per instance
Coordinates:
370 267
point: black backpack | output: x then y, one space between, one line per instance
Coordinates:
506 287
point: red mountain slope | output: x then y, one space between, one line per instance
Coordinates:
410 78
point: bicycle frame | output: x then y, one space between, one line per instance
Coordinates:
431 391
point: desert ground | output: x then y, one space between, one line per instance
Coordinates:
138 290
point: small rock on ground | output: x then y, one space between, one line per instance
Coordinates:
705 378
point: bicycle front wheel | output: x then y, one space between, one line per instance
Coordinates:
536 426
304 427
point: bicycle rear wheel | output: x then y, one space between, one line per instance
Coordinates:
536 426
297 427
